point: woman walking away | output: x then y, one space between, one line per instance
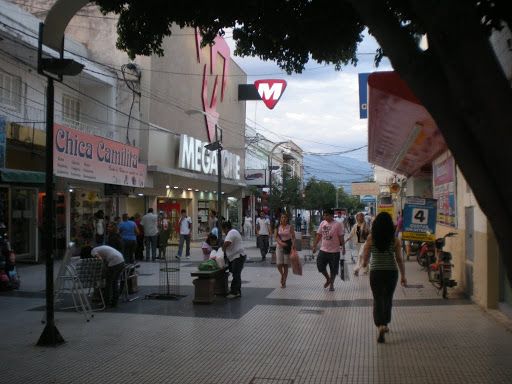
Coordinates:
386 254
358 235
285 238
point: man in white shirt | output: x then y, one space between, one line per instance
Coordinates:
115 265
150 223
185 225
234 251
262 234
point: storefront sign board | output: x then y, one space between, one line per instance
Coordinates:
77 155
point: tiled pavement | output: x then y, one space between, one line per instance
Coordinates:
300 334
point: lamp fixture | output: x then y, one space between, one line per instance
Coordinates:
175 187
167 186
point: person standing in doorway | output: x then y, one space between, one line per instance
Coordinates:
386 254
139 250
99 227
150 224
262 234
234 251
128 231
330 234
247 225
185 226
285 238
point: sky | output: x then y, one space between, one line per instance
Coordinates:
319 109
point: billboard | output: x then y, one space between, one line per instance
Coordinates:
362 189
256 177
419 217
363 95
77 155
443 170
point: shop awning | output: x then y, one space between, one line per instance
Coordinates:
402 136
8 175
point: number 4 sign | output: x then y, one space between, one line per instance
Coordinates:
419 217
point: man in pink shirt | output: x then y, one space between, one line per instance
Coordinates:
331 233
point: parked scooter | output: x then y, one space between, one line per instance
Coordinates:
427 254
440 272
414 249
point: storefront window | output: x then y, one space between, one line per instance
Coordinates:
203 210
23 221
84 205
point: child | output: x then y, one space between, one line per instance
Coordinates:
209 244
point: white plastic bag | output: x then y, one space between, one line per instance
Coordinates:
218 256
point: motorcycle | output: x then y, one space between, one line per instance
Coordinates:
440 272
414 249
427 254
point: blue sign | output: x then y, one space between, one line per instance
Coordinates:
367 199
363 95
419 217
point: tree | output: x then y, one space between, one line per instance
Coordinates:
458 78
319 195
286 193
351 203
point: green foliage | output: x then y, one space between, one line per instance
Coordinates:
287 32
319 195
286 194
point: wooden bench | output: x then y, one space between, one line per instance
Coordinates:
208 284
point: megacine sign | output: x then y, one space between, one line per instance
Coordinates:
77 155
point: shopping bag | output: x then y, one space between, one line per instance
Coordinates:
343 270
295 262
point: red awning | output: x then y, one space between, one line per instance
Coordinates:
402 136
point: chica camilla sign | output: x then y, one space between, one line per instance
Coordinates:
77 155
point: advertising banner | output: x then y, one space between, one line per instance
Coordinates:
77 155
363 95
444 190
365 189
255 177
389 208
419 217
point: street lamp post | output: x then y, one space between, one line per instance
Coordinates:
269 163
217 145
51 34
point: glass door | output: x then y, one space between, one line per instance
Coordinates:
24 223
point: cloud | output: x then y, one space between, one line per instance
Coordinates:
319 109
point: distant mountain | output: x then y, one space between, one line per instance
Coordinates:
339 170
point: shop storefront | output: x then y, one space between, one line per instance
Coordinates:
20 183
94 176
191 182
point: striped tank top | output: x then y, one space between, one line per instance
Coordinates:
383 260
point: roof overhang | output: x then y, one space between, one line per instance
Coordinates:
402 135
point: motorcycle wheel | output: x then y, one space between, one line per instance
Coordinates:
418 259
443 283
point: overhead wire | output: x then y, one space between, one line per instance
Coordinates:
151 95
